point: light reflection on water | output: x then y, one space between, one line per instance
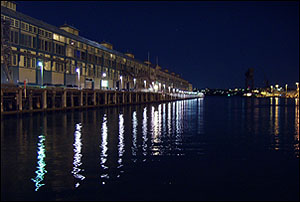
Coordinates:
41 170
132 135
296 128
77 156
144 132
121 146
104 148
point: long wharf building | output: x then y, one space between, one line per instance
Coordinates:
42 54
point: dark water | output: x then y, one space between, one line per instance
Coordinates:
215 148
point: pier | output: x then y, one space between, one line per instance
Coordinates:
16 100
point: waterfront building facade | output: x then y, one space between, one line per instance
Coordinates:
45 55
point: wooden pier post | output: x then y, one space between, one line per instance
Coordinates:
64 99
30 100
123 98
44 98
86 98
115 98
53 99
105 98
1 100
94 99
72 99
81 98
19 99
130 94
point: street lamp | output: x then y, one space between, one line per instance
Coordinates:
78 77
145 83
134 82
41 66
121 81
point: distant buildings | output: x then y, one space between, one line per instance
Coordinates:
249 84
42 54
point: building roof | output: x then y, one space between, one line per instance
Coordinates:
52 28
66 25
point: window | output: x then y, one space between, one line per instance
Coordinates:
34 42
59 49
22 25
59 67
14 59
45 45
17 23
14 37
77 54
24 61
26 27
56 37
83 55
28 62
69 51
33 62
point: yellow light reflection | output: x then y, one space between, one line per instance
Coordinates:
77 155
144 128
104 148
164 119
296 129
200 116
169 119
276 124
156 129
271 100
134 134
178 121
121 140
41 171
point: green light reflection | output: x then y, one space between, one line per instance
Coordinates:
40 172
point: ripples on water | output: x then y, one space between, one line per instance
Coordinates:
201 149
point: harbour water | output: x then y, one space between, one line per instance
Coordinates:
212 148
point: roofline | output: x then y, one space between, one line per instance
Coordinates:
52 28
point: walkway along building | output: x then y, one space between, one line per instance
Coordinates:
41 54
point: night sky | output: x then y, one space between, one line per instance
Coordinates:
210 44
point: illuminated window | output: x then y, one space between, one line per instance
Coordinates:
55 37
104 83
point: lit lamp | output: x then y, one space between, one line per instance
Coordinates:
145 83
78 76
134 82
121 81
41 66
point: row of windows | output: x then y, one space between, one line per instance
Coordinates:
13 22
33 29
29 28
28 41
45 45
